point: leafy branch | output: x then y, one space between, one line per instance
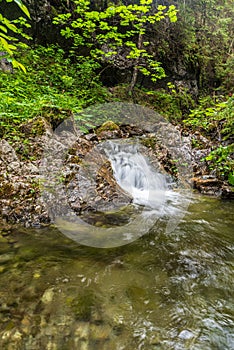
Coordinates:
118 28
8 42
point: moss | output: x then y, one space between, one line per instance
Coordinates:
149 142
72 151
173 106
107 126
36 126
39 126
135 293
49 117
72 156
55 115
83 305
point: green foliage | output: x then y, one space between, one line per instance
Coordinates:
205 32
52 80
231 178
214 116
117 27
21 6
9 43
170 104
222 161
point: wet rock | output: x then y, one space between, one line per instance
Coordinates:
94 186
207 184
81 336
96 317
48 295
7 228
186 334
131 131
16 336
3 240
26 324
12 240
91 137
51 346
227 192
2 269
155 340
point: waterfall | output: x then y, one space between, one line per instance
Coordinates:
157 203
135 175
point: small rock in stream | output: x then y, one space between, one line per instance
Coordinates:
48 295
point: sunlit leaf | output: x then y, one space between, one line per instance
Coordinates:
22 7
231 178
17 64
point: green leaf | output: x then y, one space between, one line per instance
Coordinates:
4 29
17 64
231 178
6 47
22 7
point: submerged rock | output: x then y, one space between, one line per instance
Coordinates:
47 297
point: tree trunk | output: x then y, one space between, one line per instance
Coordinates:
135 69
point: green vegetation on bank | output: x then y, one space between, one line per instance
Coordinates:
214 117
52 80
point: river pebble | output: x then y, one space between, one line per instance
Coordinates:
47 297
185 334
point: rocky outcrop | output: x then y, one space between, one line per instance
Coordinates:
19 188
21 199
5 65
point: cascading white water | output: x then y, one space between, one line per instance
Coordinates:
156 203
134 174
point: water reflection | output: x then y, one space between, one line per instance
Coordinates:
161 292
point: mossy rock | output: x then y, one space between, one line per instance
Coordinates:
36 126
107 126
40 126
55 115
49 119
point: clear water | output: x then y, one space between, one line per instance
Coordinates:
163 291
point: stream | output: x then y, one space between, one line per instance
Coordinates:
163 291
